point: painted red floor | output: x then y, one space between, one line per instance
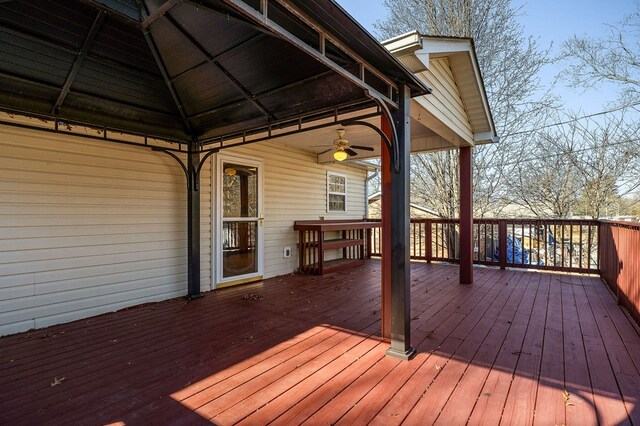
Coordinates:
514 348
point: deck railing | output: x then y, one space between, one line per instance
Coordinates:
620 262
560 244
610 249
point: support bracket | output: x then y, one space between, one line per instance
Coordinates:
391 144
193 180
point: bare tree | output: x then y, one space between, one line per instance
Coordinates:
510 63
609 163
434 182
614 58
546 182
584 167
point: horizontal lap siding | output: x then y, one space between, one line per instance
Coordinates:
445 103
88 227
295 188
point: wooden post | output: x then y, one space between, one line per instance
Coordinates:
466 215
400 259
385 232
429 240
502 243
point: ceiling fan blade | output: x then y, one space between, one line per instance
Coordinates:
363 148
351 152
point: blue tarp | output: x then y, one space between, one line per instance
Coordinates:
516 253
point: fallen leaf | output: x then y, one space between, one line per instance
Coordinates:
487 394
438 368
566 395
251 296
57 381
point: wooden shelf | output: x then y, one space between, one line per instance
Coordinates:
313 245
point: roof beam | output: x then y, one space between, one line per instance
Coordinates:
91 35
239 87
262 18
218 55
69 50
265 93
158 13
297 121
165 75
226 16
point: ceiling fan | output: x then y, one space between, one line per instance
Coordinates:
342 148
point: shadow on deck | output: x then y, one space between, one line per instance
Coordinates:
515 347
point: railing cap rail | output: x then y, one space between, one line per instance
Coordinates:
634 225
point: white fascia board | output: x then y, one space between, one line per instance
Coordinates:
445 46
486 137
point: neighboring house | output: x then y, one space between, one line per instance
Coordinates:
89 227
375 205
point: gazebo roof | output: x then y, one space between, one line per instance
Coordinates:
193 69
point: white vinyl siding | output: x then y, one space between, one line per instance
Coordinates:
88 227
445 102
295 188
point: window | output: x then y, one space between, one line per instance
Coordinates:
336 192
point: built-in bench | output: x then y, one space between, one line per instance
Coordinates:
317 237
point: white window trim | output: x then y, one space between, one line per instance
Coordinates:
346 191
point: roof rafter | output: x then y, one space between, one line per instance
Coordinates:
81 55
69 50
264 93
229 17
217 56
165 75
262 18
159 13
234 81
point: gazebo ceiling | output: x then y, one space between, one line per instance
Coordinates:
190 70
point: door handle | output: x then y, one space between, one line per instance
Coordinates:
261 220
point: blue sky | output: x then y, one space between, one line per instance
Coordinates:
552 21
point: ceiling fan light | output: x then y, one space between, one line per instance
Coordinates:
340 155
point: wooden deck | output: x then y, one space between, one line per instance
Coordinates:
514 348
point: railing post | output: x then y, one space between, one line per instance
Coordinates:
428 240
369 242
502 243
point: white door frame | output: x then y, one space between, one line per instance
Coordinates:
216 198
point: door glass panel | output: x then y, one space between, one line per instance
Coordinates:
239 191
239 253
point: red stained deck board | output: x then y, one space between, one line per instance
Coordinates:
481 318
323 395
433 355
550 401
296 393
343 375
610 407
490 402
580 408
520 405
625 372
341 403
462 400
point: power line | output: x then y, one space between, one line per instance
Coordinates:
573 120
590 148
